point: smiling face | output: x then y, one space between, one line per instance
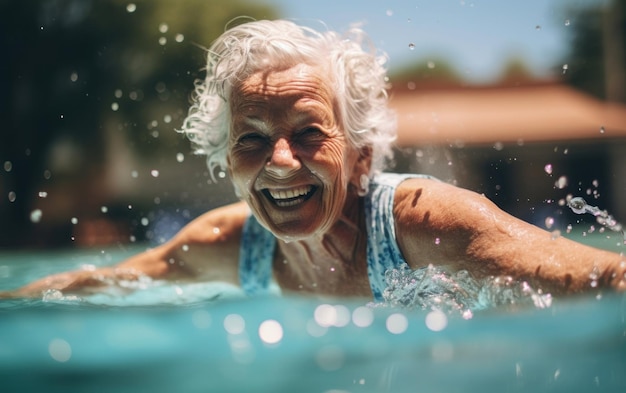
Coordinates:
287 155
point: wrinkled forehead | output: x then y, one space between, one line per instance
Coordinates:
298 82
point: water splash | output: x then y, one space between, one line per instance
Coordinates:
456 293
580 206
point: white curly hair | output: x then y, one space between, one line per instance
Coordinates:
358 75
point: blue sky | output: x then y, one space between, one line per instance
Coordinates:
477 37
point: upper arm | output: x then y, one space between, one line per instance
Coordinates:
441 224
206 248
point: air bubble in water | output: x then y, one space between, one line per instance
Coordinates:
131 7
179 38
602 130
12 196
180 157
567 22
411 46
154 173
104 209
8 165
162 40
565 68
74 220
549 222
163 28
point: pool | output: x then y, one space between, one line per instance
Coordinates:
212 339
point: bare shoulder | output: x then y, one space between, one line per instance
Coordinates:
217 226
436 221
208 247
439 223
435 205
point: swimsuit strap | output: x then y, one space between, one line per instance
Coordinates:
256 254
256 251
383 252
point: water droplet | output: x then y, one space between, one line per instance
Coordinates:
131 7
134 174
163 28
162 40
42 194
154 173
548 169
362 316
602 130
565 68
561 183
397 323
411 46
595 183
12 196
115 106
567 22
180 157
549 222
389 12
179 38
167 119
47 174
60 350
436 321
568 229
8 165
270 331
74 76
431 64
555 234
498 146
74 220
145 222
35 215
538 27
234 324
437 241
104 209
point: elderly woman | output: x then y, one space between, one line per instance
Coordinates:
299 119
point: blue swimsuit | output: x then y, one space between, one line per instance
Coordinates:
258 244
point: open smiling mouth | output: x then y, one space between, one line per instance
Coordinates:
289 197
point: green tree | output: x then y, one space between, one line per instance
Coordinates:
73 66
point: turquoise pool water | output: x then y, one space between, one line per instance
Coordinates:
207 338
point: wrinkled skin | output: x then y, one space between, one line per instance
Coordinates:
291 163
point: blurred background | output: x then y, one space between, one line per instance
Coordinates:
522 101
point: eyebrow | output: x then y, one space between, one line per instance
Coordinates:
255 123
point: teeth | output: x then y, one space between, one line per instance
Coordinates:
291 193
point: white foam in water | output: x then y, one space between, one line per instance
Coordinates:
437 289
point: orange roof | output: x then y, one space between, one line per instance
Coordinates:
547 112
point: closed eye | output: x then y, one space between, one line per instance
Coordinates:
311 133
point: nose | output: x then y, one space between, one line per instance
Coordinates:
282 161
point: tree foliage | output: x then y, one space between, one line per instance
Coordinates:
75 70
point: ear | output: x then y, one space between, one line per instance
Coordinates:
362 166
